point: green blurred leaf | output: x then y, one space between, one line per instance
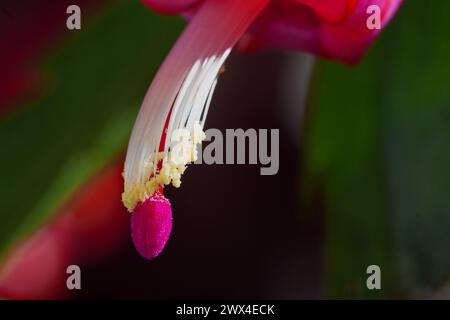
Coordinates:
377 148
96 81
416 120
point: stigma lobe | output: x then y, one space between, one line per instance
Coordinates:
151 224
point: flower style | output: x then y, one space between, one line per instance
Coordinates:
170 123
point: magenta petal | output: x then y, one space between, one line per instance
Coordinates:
151 224
329 28
331 11
170 6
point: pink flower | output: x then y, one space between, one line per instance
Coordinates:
330 28
170 123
